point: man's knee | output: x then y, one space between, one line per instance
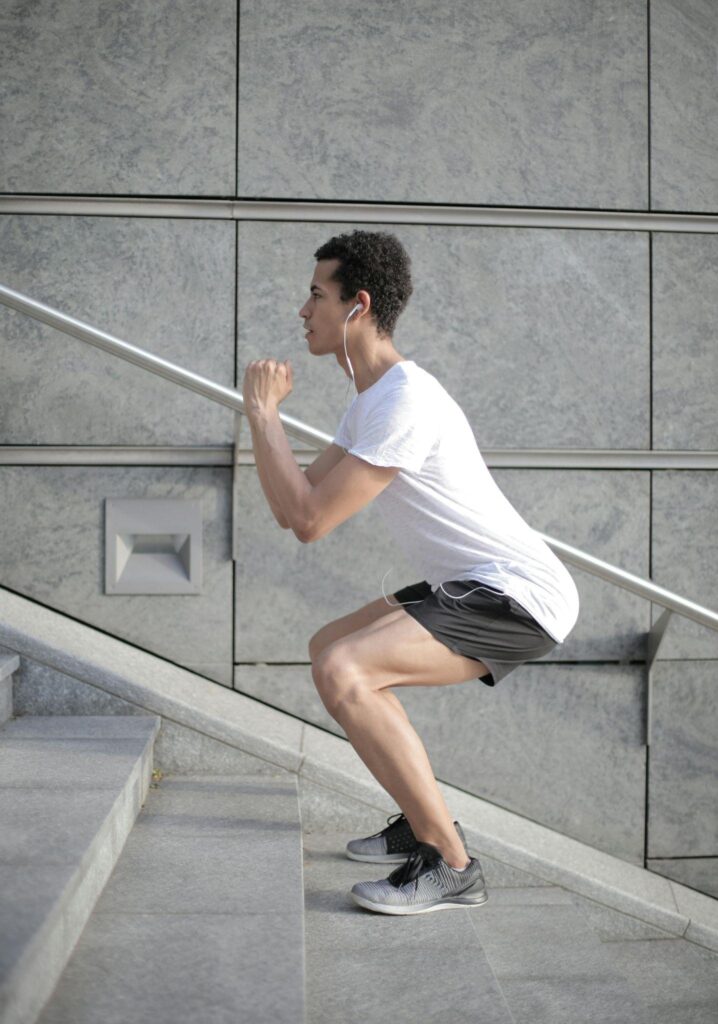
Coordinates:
324 685
336 677
316 645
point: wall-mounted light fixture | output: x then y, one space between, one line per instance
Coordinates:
153 546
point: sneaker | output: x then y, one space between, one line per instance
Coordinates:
424 883
392 845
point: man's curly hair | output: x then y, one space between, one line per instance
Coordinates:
376 262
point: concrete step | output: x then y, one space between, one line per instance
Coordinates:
70 790
677 980
9 663
527 956
203 917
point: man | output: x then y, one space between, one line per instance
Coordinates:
494 594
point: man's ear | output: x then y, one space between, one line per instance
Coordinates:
365 299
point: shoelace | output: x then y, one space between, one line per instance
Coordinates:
390 821
425 855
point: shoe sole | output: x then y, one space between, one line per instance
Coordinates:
379 858
385 858
448 903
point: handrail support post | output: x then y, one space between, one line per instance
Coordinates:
654 640
238 417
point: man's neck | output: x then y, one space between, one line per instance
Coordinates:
372 363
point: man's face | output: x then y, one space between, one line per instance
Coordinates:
324 312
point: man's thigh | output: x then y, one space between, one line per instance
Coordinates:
395 650
350 623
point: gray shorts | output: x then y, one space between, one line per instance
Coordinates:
487 624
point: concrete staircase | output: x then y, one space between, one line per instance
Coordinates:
126 900
173 851
535 953
202 918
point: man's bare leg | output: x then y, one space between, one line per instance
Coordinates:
416 786
389 746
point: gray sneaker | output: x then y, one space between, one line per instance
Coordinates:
424 883
393 844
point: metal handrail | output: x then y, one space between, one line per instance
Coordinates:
234 400
147 361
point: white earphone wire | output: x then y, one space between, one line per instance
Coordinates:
351 368
453 597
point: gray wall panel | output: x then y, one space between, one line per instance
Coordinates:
275 267
53 551
540 336
287 590
511 103
699 873
606 513
166 286
685 554
683 766
684 105
685 341
137 98
560 744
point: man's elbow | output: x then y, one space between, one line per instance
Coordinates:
307 532
302 533
288 526
304 527
284 522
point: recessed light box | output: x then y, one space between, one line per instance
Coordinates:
153 546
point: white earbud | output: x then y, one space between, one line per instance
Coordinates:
359 305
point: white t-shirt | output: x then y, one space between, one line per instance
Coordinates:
443 507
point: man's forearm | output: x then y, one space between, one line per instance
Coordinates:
267 487
281 477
